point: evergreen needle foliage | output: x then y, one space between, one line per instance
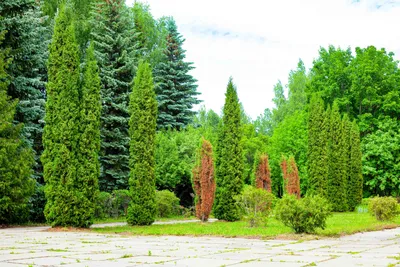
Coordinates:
355 182
262 173
143 110
229 159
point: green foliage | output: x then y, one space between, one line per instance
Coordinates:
28 39
229 162
355 182
143 110
103 205
36 205
256 205
176 89
167 204
337 181
112 205
317 154
115 54
304 215
70 189
16 159
381 159
384 208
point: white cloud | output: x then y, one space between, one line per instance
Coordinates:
259 42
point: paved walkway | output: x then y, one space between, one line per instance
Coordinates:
36 247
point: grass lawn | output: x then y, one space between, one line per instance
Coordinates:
123 219
338 224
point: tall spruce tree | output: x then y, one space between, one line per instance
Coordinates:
66 192
230 166
114 43
16 159
355 183
143 110
337 182
317 165
176 89
27 38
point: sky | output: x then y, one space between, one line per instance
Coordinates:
258 42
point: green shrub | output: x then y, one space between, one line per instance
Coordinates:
303 215
121 199
104 205
384 208
36 205
167 204
255 205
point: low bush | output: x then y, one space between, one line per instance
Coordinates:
303 215
121 199
167 204
384 208
36 205
255 205
104 205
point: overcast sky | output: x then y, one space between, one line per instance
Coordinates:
259 42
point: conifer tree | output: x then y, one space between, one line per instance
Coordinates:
337 182
317 166
204 182
355 183
229 158
143 110
16 159
114 43
291 176
66 192
262 173
27 38
176 89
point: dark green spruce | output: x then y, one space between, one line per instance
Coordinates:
176 89
143 110
229 164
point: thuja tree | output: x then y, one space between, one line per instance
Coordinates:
355 182
143 110
114 43
16 159
203 180
262 173
66 191
317 157
337 182
291 176
229 164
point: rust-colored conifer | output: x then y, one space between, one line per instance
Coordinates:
204 183
291 176
263 173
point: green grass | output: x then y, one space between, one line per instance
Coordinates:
123 219
338 224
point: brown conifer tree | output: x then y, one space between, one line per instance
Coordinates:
291 176
263 173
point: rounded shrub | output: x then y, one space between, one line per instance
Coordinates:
384 208
303 215
167 204
104 205
121 199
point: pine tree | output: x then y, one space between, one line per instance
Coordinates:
143 110
355 183
16 159
28 39
318 166
230 159
262 173
176 89
89 140
203 180
114 43
337 182
66 192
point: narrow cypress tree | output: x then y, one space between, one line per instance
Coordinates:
291 176
176 88
114 43
16 159
143 110
203 180
337 183
346 128
262 172
355 183
89 141
67 202
230 159
317 157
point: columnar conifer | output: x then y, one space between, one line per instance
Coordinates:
262 173
143 110
230 159
355 183
204 182
291 176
